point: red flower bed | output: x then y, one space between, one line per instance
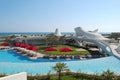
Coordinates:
66 49
51 49
5 43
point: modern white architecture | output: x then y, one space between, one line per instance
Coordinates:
92 37
57 32
18 76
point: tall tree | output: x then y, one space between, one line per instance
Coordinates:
59 67
51 39
62 39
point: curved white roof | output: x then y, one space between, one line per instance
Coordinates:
80 32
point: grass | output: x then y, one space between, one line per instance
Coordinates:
74 52
67 53
0 42
68 78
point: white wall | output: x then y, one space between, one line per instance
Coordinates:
19 76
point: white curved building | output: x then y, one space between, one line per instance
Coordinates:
93 37
90 35
57 32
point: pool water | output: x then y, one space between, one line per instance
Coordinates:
12 56
11 62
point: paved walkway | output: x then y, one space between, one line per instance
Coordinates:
80 49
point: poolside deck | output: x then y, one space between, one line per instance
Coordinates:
30 53
4 47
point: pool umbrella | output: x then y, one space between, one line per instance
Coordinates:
34 48
5 43
17 44
66 49
25 45
22 45
51 49
28 47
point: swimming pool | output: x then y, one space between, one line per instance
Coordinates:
12 56
35 67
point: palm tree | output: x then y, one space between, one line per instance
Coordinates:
60 67
108 75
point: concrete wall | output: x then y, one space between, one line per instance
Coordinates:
19 76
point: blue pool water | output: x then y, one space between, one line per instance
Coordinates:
11 62
12 56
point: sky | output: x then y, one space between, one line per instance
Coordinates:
47 15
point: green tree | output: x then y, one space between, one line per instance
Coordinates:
12 36
7 39
51 39
62 39
60 67
108 75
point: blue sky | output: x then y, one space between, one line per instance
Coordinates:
47 15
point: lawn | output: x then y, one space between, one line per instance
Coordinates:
74 52
68 78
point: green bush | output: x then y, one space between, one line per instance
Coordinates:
74 76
